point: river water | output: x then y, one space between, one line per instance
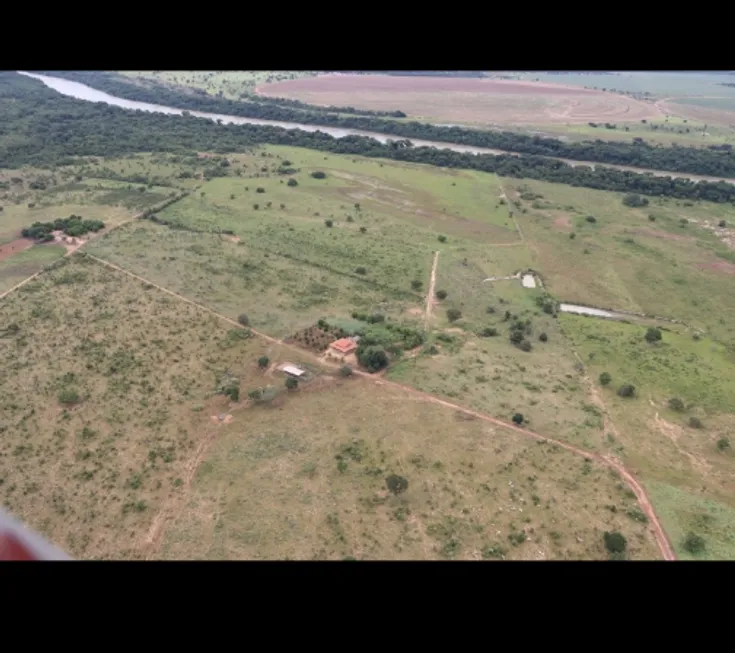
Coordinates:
84 92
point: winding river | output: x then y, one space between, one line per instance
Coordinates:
84 92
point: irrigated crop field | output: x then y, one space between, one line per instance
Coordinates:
111 384
473 101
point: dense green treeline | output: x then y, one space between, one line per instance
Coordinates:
716 161
41 127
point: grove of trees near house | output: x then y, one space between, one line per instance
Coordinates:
40 127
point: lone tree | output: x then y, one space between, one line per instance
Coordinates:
694 544
695 422
591 219
543 337
605 378
635 200
243 319
416 284
363 230
329 223
318 174
676 404
373 358
442 239
263 362
518 418
722 224
291 383
626 390
453 314
396 484
653 335
525 345
292 182
360 270
441 294
615 543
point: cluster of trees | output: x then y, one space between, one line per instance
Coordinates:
74 226
693 160
39 127
253 106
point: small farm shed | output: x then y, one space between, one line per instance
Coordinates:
294 371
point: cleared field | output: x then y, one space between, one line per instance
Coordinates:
232 84
713 113
464 100
666 131
23 264
297 483
490 374
626 261
656 441
285 267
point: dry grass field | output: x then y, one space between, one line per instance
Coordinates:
472 101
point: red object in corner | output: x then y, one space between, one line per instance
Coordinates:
11 548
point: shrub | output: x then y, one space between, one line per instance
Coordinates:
318 174
453 314
591 219
441 294
694 544
489 332
626 390
723 444
490 309
676 404
68 397
695 422
291 383
572 236
373 358
256 207
255 394
243 319
615 542
653 335
605 378
345 371
652 218
329 223
442 239
543 337
416 284
260 189
518 418
361 270
292 182
525 345
722 224
635 200
363 230
516 336
396 484
263 362
233 392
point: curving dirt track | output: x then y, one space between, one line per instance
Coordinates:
430 294
466 100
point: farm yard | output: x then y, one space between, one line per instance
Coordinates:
468 101
170 430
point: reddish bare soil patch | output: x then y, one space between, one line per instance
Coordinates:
10 249
563 222
473 101
723 267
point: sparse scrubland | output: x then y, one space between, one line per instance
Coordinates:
135 424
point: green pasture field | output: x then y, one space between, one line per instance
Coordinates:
307 481
232 84
22 265
627 262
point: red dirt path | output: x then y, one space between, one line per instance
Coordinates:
11 249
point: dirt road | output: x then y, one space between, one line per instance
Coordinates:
430 294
